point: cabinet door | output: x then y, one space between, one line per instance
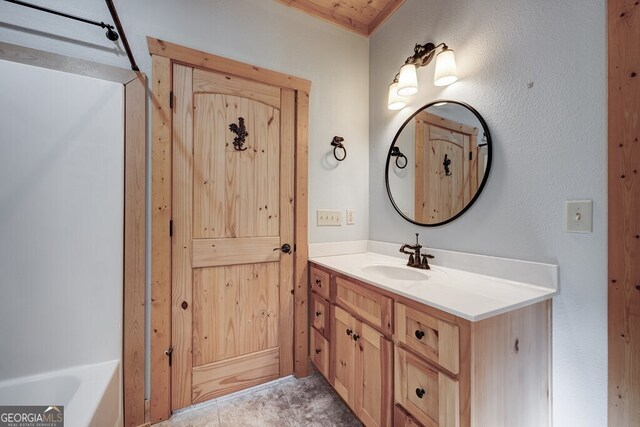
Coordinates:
428 394
344 354
373 377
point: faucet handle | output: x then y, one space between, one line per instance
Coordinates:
411 262
425 263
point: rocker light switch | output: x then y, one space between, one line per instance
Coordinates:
579 216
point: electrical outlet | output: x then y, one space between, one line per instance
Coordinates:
329 218
349 216
579 216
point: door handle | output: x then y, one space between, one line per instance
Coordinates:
286 248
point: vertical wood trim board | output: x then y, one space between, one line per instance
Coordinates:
182 216
287 221
160 240
624 212
301 310
133 360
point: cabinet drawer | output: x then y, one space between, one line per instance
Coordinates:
429 395
320 352
320 314
402 419
433 338
320 282
367 304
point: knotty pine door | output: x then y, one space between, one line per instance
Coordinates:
442 192
232 285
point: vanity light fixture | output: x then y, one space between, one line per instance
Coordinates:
406 81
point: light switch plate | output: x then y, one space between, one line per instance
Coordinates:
328 217
579 216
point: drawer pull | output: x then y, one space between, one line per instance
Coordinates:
318 351
349 331
319 282
419 334
318 313
420 393
356 337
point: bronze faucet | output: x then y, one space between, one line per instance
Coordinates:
414 257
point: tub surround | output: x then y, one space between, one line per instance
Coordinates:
473 287
90 394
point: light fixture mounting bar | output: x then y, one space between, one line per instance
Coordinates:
423 54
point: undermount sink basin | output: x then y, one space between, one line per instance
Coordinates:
397 272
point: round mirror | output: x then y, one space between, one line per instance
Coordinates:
438 163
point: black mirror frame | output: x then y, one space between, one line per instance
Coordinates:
486 173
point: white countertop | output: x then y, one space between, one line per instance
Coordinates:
468 295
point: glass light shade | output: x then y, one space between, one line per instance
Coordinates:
395 101
446 72
408 80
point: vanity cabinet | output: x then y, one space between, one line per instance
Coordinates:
396 361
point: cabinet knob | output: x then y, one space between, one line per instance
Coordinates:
349 331
356 337
318 313
419 334
318 351
319 282
420 393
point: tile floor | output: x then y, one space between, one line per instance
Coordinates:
288 403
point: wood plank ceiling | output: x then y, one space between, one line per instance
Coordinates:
360 16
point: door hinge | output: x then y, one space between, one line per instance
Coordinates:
171 228
171 100
169 353
470 155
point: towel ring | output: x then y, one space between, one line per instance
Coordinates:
395 152
337 143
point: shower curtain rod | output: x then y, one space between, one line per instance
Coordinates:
111 34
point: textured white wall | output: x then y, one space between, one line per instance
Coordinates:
61 203
259 32
549 146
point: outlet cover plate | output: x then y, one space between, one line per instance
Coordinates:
331 218
579 216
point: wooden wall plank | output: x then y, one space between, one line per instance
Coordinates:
160 240
624 213
301 283
67 64
133 360
181 259
287 222
208 61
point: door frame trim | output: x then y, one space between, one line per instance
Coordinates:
164 55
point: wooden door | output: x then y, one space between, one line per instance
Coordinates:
233 199
344 354
373 377
446 167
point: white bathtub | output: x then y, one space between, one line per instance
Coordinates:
90 393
